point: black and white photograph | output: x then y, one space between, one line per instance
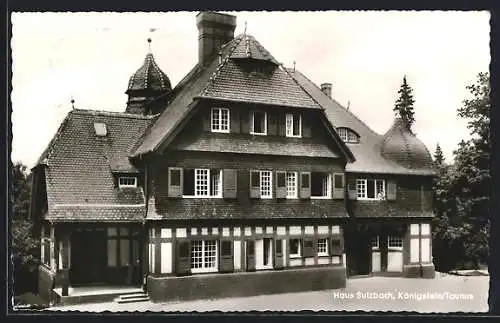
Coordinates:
237 161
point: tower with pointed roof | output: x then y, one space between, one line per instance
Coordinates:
145 86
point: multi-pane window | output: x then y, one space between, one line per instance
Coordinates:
322 247
266 184
347 135
220 120
259 123
395 242
295 248
202 182
320 185
203 255
370 189
293 125
375 242
291 185
127 181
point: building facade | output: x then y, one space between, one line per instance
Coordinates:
245 178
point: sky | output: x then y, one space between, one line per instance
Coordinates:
364 54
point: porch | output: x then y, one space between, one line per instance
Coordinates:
93 294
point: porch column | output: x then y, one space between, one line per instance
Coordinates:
53 266
65 263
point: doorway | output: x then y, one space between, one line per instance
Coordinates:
88 261
358 252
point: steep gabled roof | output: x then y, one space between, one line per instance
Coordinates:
79 167
225 79
368 151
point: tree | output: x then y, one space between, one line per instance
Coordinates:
25 246
404 105
438 155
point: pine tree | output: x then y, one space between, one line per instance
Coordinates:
438 155
404 105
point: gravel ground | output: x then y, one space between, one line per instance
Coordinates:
445 293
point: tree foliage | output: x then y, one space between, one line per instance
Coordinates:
461 226
404 105
25 245
438 155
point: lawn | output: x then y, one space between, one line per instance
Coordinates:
445 293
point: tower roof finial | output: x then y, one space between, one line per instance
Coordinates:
294 66
72 103
149 44
245 31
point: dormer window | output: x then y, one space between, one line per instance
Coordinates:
100 129
348 136
293 125
259 123
125 182
220 120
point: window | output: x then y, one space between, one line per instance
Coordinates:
320 185
202 182
293 125
220 120
203 256
259 123
322 247
127 182
395 242
370 189
100 129
267 260
118 246
295 248
347 135
375 243
291 185
266 184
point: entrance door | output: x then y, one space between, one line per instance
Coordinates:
358 252
88 261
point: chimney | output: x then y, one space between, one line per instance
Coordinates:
327 89
214 30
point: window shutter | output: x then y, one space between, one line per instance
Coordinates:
278 254
308 248
351 189
305 185
281 124
175 181
254 184
226 256
338 186
280 184
245 122
392 188
250 255
272 124
306 126
206 120
336 248
235 121
230 183
183 258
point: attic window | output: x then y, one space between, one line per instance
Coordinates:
348 135
100 129
127 182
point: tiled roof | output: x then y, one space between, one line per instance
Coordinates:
250 48
368 151
224 80
177 209
263 145
149 77
74 213
79 165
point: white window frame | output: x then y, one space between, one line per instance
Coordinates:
347 135
328 189
252 131
204 268
219 125
209 184
398 247
289 126
295 185
299 249
127 185
322 253
270 195
362 189
376 245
